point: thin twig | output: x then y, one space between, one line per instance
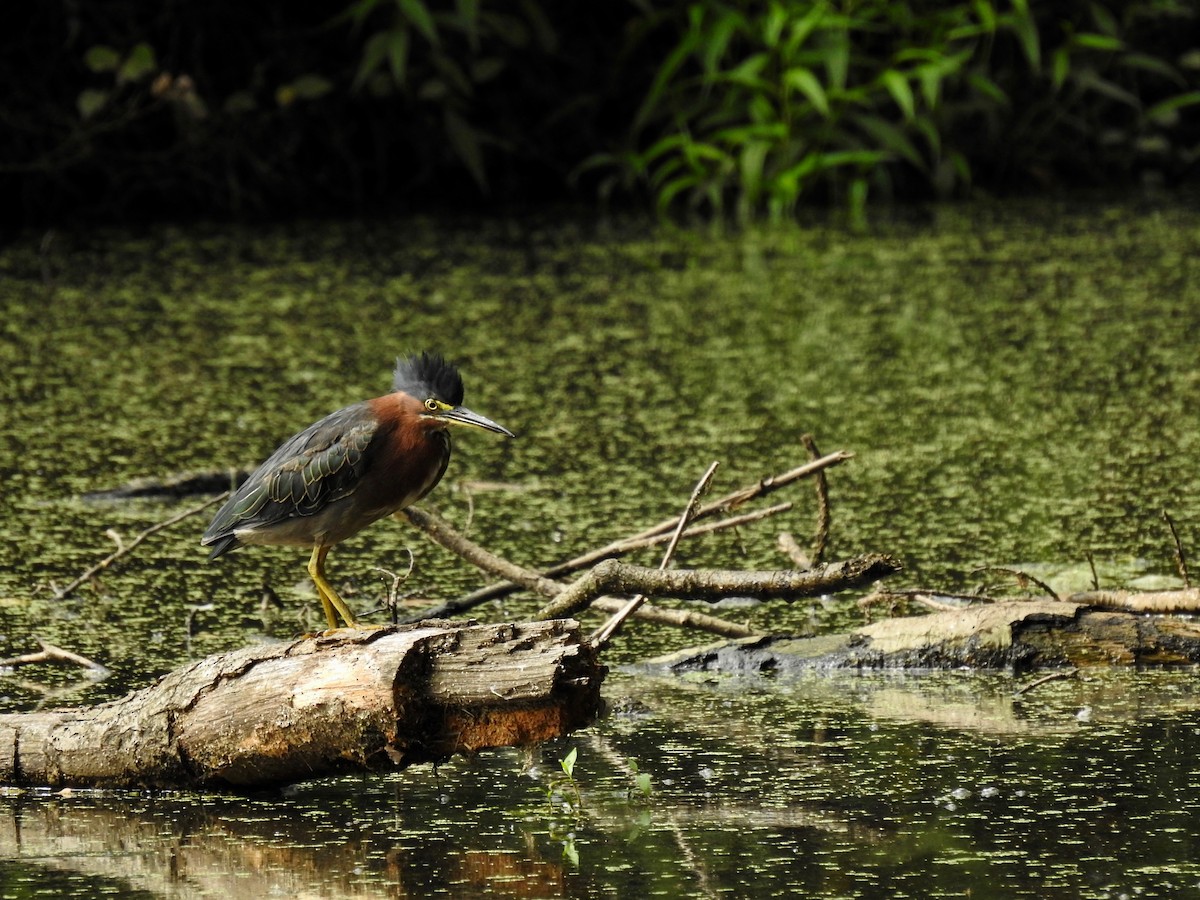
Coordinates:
680 618
824 518
1092 565
1022 578
122 550
1180 560
1053 676
604 634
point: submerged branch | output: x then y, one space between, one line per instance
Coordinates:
123 549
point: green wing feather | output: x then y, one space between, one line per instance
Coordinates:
311 469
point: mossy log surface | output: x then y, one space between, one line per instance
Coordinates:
343 701
1018 635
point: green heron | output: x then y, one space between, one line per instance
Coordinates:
350 469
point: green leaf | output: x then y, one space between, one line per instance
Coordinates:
90 101
807 84
1104 19
1060 67
1164 112
890 138
748 70
487 69
986 13
397 54
642 780
987 87
1151 64
568 761
468 14
901 91
418 15
1090 80
374 52
359 11
837 59
467 147
138 64
1097 41
662 78
102 58
1025 28
805 26
310 87
667 194
773 24
716 39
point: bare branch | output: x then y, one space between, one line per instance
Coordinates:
1180 559
824 518
1023 578
448 537
658 532
611 576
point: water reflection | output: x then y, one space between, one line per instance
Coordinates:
826 786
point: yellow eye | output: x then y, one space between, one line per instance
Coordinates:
432 405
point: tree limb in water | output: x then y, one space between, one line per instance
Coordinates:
614 577
443 533
659 532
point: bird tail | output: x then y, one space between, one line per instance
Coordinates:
223 544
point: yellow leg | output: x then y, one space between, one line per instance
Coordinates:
329 597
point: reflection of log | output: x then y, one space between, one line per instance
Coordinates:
1017 634
349 700
187 850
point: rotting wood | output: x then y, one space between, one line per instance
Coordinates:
1020 635
348 700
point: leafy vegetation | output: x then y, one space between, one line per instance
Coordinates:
756 106
726 107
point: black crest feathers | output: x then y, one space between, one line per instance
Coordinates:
425 375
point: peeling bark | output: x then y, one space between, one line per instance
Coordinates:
348 700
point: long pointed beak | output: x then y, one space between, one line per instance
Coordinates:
460 415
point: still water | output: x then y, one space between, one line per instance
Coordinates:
1018 384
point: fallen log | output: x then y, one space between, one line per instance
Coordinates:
322 705
1017 635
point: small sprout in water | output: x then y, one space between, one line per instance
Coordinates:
641 781
568 762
